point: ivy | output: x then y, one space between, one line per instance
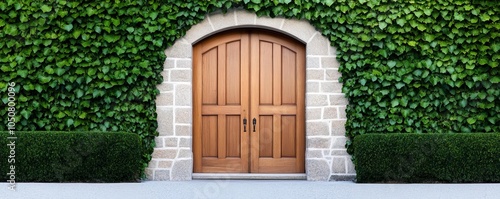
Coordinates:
407 67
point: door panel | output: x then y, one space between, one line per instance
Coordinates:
277 94
245 75
220 102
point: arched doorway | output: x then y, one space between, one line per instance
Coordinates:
249 103
325 154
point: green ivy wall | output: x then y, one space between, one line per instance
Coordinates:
427 66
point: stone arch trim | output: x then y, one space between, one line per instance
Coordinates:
326 156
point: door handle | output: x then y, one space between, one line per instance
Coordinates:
245 125
254 123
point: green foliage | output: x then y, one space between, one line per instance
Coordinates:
411 66
451 157
72 156
90 66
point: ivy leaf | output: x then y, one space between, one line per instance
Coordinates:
401 22
394 103
495 79
458 16
111 38
382 25
485 17
69 122
471 120
22 73
328 2
68 27
400 85
46 8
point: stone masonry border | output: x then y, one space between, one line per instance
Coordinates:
326 156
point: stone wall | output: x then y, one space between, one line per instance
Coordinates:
326 157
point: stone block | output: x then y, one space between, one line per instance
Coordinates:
317 170
318 143
165 99
149 174
165 164
315 74
162 175
159 142
318 45
338 165
169 63
177 75
338 100
329 62
332 50
316 100
312 62
339 142
183 130
332 74
185 142
221 21
311 153
165 120
165 74
330 113
198 31
184 63
183 115
331 87
180 49
303 30
244 17
312 87
269 22
152 164
185 153
165 153
313 113
339 152
342 112
182 169
338 127
171 142
165 87
317 128
183 95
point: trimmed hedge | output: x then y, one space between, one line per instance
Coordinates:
462 157
72 157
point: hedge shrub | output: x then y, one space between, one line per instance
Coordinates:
72 157
460 157
407 66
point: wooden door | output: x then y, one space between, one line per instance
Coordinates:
238 76
277 104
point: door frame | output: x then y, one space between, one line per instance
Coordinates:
250 61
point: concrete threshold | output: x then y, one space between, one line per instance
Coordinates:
249 176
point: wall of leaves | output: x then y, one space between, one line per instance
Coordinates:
408 66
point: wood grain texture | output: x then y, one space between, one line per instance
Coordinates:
249 74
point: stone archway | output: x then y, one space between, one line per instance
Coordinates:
326 156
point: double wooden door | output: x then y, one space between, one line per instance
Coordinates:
248 93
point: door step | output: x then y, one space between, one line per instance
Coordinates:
248 176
